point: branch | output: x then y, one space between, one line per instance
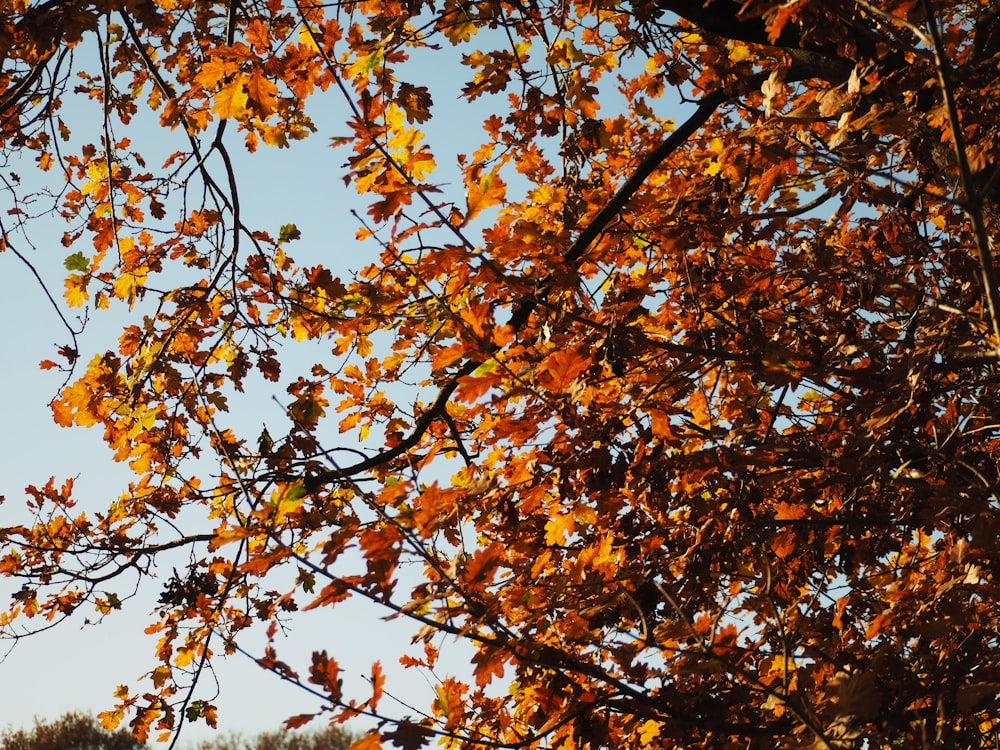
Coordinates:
436 410
646 167
724 18
972 200
618 201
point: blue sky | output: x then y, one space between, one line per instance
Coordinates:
78 667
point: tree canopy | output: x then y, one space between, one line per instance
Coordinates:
681 410
78 731
72 731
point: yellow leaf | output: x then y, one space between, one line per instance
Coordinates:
363 346
563 52
226 534
124 286
420 165
559 527
307 39
739 52
649 731
288 500
98 174
160 675
184 657
111 719
231 100
366 63
76 290
601 554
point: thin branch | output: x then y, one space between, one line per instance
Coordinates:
972 200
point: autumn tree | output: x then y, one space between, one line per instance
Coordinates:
71 731
331 737
681 411
78 731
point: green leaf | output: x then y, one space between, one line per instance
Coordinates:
295 492
77 262
288 232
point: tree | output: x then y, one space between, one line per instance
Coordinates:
77 731
72 731
688 425
327 738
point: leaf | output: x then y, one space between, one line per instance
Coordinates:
288 500
788 511
561 369
289 233
227 534
261 94
370 741
377 683
489 190
259 35
649 731
76 290
409 735
183 659
675 391
298 721
232 100
559 528
77 262
215 70
361 67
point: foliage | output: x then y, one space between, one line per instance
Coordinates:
77 731
687 425
72 731
327 738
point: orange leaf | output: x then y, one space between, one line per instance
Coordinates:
561 369
259 35
487 191
371 741
261 93
378 683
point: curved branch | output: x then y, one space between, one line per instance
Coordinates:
436 410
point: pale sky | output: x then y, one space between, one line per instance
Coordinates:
78 667
74 667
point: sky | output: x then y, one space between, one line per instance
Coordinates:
77 666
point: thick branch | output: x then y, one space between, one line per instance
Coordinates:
725 18
435 412
620 199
